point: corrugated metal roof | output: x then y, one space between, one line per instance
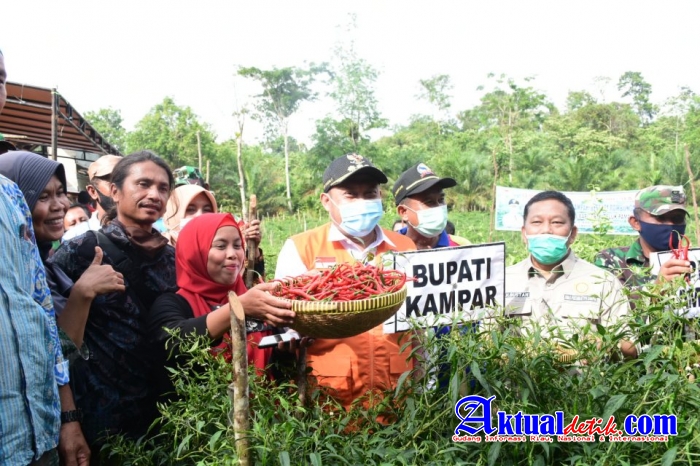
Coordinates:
26 119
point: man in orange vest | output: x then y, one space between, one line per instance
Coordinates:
370 362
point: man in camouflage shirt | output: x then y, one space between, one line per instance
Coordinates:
659 212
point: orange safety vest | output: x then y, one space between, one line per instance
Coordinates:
369 362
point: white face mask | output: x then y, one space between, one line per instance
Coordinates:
77 230
431 222
183 222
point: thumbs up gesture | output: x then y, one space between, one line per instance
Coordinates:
100 279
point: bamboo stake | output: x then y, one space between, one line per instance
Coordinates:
251 245
238 390
692 191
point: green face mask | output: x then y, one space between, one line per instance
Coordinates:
547 249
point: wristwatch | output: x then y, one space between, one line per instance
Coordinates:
75 415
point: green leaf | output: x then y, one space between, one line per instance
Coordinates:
613 404
653 354
184 444
400 382
669 457
474 366
315 459
214 438
494 451
284 458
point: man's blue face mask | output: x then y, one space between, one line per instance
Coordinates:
360 217
657 235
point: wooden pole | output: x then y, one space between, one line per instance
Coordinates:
199 151
692 191
251 245
207 179
238 390
54 124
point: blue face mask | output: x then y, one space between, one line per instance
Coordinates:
657 236
547 249
358 218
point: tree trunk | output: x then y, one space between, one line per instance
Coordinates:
238 390
692 191
286 165
199 151
492 220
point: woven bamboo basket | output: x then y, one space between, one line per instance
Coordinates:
342 319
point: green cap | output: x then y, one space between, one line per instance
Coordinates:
188 175
658 200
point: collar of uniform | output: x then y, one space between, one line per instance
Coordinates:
635 255
334 234
561 270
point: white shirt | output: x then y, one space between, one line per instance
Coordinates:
94 222
289 263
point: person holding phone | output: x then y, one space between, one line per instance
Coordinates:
208 261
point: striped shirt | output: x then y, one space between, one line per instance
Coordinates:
31 362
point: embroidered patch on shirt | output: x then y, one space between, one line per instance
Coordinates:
580 298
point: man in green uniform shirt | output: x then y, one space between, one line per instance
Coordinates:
659 216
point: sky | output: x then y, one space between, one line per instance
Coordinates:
129 55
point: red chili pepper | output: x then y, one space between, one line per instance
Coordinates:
344 282
681 252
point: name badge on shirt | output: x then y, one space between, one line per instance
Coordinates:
324 262
518 294
580 298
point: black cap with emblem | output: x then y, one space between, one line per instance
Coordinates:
352 166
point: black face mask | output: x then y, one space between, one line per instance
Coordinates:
105 202
657 236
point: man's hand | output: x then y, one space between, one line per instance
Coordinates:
294 344
672 269
99 279
72 447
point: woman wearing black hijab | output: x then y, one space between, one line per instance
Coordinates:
43 183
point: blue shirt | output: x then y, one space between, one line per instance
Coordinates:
443 240
31 362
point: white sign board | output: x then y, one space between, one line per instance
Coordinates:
615 206
689 293
462 282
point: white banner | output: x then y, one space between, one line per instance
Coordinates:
463 281
614 206
689 293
